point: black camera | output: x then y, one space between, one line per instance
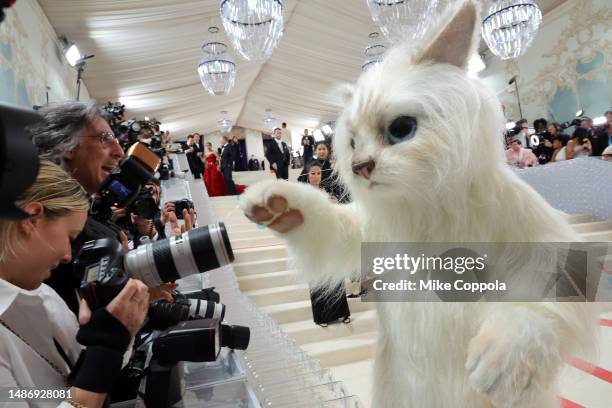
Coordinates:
199 340
575 122
124 186
194 340
163 314
105 269
181 205
144 205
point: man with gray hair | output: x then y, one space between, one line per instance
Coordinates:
77 136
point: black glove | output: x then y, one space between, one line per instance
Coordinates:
99 364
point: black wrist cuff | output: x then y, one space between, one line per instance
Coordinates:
104 330
96 369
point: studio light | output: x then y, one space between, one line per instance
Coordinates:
72 54
600 120
580 112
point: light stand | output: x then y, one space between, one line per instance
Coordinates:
80 66
518 98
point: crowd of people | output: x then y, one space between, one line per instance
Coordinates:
547 143
50 338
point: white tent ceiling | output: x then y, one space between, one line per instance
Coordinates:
146 52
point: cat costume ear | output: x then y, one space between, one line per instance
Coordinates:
455 42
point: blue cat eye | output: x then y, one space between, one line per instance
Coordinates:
401 129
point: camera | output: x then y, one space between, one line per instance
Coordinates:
124 187
105 269
199 340
194 340
575 122
181 205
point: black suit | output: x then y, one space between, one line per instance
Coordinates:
227 164
281 157
195 162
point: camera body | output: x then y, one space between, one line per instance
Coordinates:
105 269
124 187
101 265
181 205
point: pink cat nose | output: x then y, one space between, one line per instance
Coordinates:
363 168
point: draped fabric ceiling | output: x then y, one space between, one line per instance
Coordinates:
146 53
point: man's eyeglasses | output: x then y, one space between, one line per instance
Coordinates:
107 138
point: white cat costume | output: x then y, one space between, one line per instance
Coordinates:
419 146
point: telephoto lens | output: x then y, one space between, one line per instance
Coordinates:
163 314
105 269
167 260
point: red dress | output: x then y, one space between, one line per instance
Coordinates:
213 179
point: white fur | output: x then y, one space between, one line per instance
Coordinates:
448 184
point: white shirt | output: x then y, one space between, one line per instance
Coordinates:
38 316
279 142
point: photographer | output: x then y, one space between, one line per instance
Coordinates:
579 145
602 136
153 227
77 137
38 333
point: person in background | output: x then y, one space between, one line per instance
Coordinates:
38 332
286 135
540 126
607 154
327 305
522 132
579 145
602 136
308 143
238 156
558 144
193 158
226 165
519 157
279 156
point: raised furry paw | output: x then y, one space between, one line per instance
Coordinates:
275 204
513 364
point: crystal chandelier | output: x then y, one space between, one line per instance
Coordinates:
269 120
253 26
217 71
401 20
511 26
373 52
225 123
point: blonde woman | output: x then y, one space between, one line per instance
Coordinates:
38 333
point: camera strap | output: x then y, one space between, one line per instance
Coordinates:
59 349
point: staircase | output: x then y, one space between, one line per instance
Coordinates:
348 349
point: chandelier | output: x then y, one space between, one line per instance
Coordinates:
217 71
511 27
254 27
225 123
269 120
401 20
373 52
